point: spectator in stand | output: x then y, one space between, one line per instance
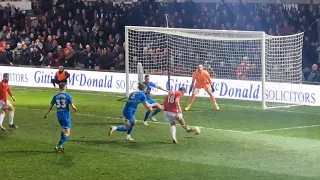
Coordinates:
100 25
47 61
8 55
105 59
69 55
119 62
90 61
243 70
314 75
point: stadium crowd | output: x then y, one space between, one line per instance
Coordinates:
91 34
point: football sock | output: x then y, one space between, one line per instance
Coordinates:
146 116
187 128
121 128
63 139
192 98
173 131
11 117
155 112
213 100
1 118
130 129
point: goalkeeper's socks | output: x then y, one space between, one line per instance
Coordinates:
146 116
155 112
121 128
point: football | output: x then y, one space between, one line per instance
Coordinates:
196 129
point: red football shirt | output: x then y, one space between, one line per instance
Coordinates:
4 89
170 102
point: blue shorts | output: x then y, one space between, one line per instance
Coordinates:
151 101
129 116
64 121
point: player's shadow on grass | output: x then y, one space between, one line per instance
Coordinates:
92 142
3 135
28 152
120 142
202 110
189 137
97 124
65 160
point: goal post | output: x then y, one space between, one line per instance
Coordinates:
272 63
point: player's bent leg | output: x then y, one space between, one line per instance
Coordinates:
173 131
170 118
11 115
122 128
213 99
53 82
130 129
65 133
192 98
126 127
157 108
65 124
150 114
2 115
182 122
146 116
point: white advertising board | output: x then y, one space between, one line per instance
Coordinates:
115 82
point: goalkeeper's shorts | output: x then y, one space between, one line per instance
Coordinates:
203 86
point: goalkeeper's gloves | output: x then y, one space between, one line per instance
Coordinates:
212 88
191 88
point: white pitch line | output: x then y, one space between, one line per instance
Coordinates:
279 110
107 95
209 128
283 129
108 117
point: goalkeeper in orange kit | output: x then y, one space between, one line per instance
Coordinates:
201 80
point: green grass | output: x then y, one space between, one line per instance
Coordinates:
230 146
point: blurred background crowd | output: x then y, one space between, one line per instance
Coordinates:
90 34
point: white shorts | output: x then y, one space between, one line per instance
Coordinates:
170 117
2 104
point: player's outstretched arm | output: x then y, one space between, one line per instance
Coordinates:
48 111
11 95
161 88
177 101
74 107
147 106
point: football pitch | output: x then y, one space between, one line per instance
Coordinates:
239 142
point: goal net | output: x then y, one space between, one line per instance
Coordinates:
273 63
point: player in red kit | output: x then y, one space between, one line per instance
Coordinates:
5 104
173 112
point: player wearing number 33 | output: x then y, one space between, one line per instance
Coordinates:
201 80
62 100
173 112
